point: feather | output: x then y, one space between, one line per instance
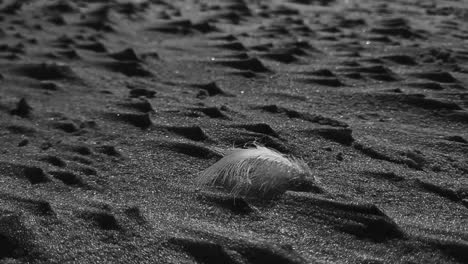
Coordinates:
257 171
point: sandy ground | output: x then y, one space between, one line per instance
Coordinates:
110 109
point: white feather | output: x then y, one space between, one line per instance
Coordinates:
257 171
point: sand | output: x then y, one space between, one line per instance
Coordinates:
110 109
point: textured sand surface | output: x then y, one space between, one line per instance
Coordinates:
110 109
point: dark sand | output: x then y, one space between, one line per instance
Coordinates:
109 109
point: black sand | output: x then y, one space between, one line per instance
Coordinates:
109 109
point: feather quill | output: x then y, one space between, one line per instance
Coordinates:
257 171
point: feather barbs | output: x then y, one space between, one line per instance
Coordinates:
257 172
